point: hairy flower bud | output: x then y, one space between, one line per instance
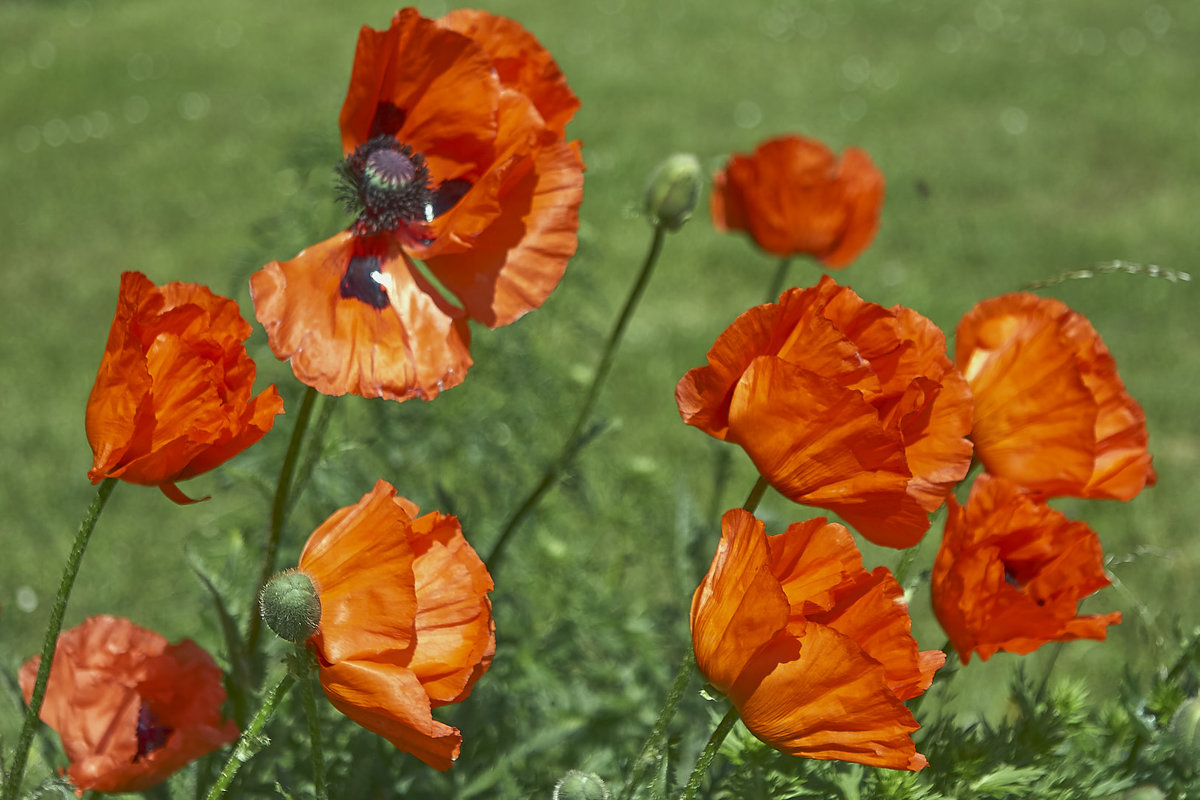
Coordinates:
576 785
290 606
673 190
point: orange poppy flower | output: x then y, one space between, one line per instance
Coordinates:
130 708
793 196
406 623
172 398
841 404
1051 413
1011 572
815 652
455 155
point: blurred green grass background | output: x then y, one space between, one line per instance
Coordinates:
194 142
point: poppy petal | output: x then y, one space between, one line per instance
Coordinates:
455 631
389 700
438 83
826 699
362 564
826 448
520 61
406 342
739 606
518 261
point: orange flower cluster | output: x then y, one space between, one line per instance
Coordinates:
406 623
793 196
1052 418
130 709
814 651
173 396
453 131
841 404
851 407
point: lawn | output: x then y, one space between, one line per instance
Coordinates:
195 142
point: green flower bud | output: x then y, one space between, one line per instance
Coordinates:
1185 729
290 606
673 190
576 785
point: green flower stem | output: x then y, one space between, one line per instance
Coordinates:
573 441
710 751
778 279
756 494
251 741
646 756
279 511
304 670
17 771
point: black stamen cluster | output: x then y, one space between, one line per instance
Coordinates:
385 185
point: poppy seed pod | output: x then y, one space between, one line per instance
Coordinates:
673 190
290 606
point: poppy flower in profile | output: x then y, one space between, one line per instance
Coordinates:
815 652
173 396
841 404
793 196
1051 413
1011 572
453 132
405 620
130 709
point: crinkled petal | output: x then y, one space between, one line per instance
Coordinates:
520 61
413 344
823 445
739 607
455 632
362 564
389 700
1011 572
825 698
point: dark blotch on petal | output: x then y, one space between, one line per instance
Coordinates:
358 282
150 735
447 194
387 121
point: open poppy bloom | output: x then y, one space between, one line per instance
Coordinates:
456 156
406 623
793 196
815 652
130 709
841 404
1011 572
1051 413
173 396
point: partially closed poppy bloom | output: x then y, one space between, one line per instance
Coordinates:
841 404
793 196
174 394
453 131
1051 413
406 623
1011 572
130 709
815 652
